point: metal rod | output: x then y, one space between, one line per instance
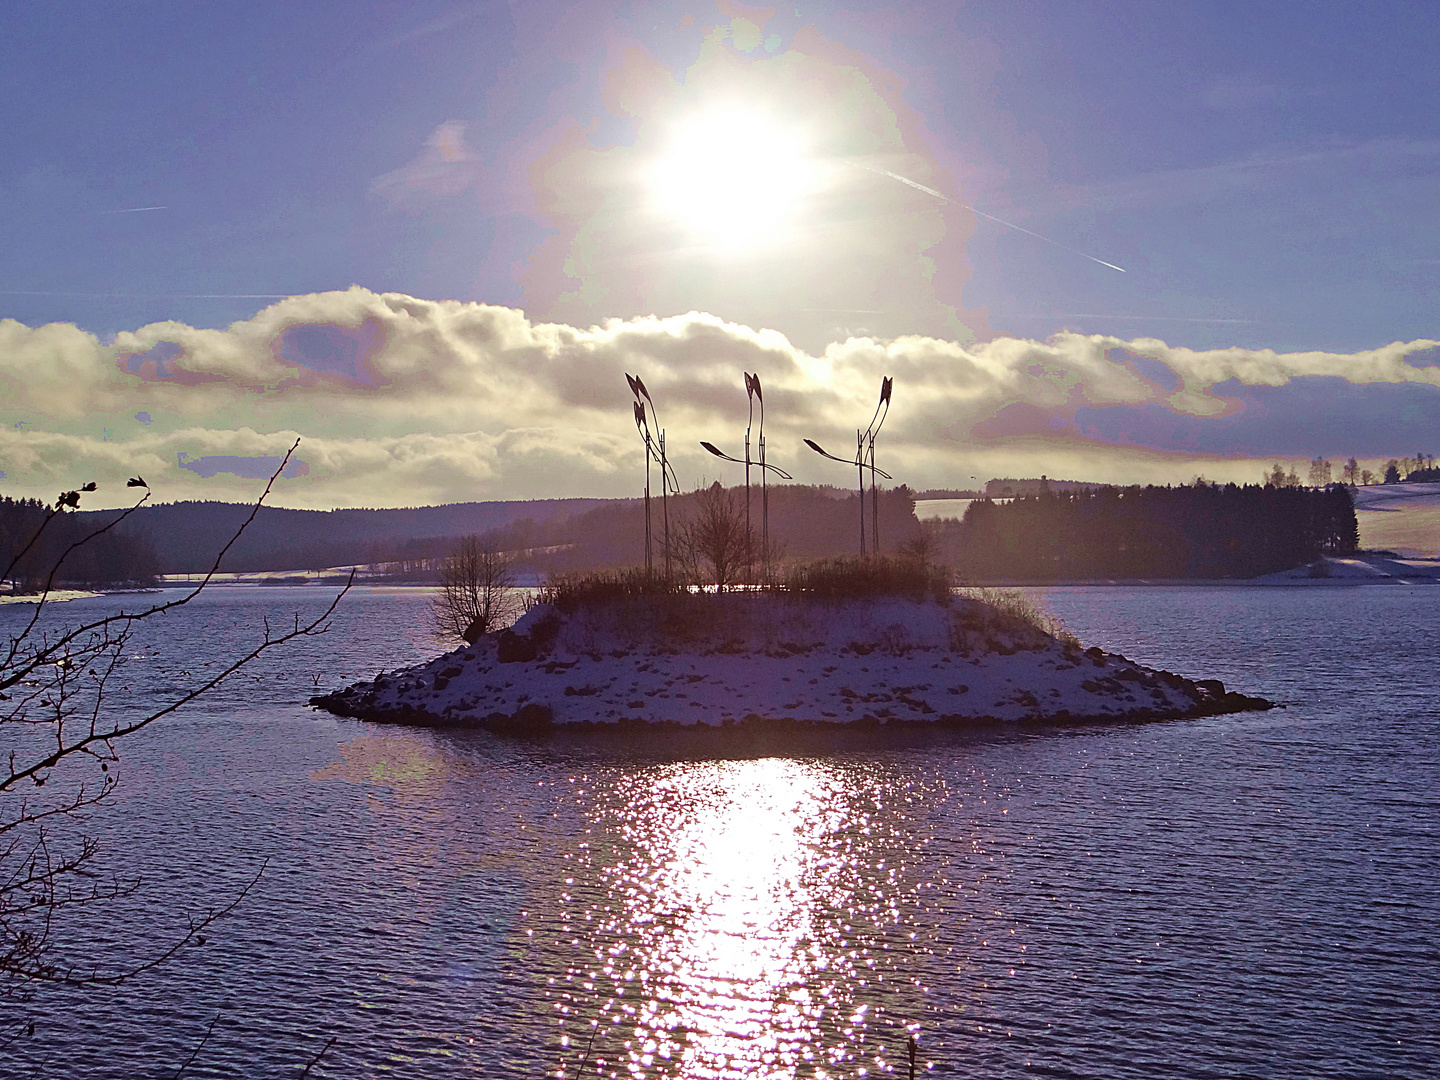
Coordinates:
665 502
753 384
749 554
860 464
764 506
781 473
649 558
874 502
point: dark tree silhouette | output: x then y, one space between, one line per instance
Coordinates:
1200 531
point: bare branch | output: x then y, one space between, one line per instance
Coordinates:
59 685
34 539
194 927
55 568
200 1046
316 1059
43 656
40 766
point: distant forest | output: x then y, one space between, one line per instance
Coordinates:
1204 531
545 536
186 536
113 558
805 523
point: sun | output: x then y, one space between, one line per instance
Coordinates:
733 178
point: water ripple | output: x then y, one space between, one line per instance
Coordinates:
1247 895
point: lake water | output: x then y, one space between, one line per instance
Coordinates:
1252 895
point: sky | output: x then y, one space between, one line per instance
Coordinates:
1123 242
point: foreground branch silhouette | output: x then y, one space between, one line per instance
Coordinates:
58 741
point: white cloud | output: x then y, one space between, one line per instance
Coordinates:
401 401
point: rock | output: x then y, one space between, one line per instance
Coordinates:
513 648
531 719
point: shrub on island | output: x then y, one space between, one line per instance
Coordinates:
837 578
859 579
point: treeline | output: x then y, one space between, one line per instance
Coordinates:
544 536
805 523
1321 473
1200 531
119 557
187 535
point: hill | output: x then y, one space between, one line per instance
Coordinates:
1400 517
547 536
186 536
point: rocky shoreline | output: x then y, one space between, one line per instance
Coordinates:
776 662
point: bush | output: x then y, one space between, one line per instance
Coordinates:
839 579
853 578
1014 604
569 592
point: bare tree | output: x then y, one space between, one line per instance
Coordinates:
58 742
923 545
716 536
477 589
1278 477
1320 473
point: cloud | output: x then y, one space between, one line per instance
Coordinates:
401 401
445 168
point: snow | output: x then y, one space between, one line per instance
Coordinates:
1361 570
715 660
1377 496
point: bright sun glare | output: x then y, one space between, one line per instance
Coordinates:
733 178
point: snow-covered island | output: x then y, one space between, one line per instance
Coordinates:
761 659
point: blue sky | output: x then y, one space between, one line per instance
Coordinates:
1266 175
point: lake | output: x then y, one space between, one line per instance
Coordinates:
1251 895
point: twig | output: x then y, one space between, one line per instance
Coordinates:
585 1058
42 656
63 680
55 569
196 1052
22 1029
196 925
316 1059
38 767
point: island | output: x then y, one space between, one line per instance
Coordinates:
771 660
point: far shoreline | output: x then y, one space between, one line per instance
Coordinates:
1364 568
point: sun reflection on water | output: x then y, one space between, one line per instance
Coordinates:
737 936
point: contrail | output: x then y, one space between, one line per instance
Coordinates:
135 210
981 213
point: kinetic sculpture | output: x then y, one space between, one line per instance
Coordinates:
865 459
